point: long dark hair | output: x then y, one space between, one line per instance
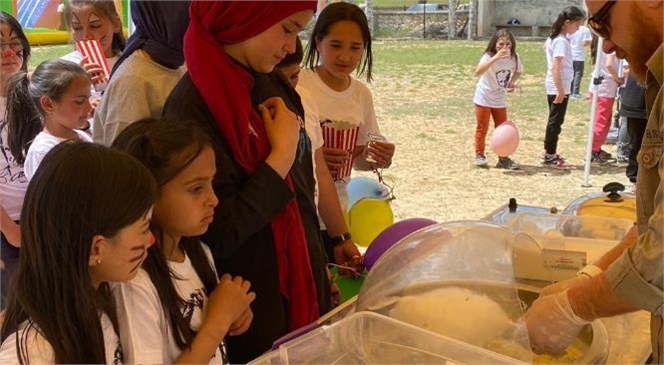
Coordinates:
502 33
105 7
166 148
331 15
571 13
16 27
63 210
24 112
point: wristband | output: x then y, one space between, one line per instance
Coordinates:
340 239
590 271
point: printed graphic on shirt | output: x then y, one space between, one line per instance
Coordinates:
10 173
196 300
503 78
118 355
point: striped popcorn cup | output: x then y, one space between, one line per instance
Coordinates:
93 51
341 135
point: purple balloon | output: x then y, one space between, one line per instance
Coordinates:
392 235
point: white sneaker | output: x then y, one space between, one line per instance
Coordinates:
480 161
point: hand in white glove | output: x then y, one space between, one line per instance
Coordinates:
585 274
552 325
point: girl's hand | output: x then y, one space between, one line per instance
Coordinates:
382 153
503 53
241 325
512 86
95 71
347 254
335 158
227 304
559 98
94 103
283 132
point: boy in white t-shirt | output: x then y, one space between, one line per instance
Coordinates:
579 41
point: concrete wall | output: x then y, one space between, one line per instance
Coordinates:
529 12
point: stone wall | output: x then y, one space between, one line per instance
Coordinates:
401 24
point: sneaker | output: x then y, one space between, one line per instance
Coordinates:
480 161
577 96
556 161
605 155
597 158
507 163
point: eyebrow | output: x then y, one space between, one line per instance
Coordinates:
298 25
196 179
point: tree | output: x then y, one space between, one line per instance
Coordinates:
451 19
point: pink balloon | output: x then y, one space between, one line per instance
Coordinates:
505 139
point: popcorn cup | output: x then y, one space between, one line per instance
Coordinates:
341 135
93 51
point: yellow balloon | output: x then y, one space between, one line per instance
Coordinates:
368 218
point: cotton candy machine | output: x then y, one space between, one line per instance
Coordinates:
458 280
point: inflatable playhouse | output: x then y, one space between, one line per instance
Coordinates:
43 20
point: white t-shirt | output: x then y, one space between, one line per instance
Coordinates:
576 40
137 90
490 89
40 146
39 351
13 182
145 329
312 126
353 105
609 87
559 47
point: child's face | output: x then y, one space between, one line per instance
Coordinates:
11 52
264 51
88 24
292 73
341 49
73 108
571 26
185 205
503 42
118 258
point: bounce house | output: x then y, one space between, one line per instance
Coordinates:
42 22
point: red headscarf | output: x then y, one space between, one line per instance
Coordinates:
226 88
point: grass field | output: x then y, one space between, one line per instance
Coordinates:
423 94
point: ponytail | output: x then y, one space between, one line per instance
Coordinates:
571 13
23 119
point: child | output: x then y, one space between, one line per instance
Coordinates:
499 69
264 173
558 80
339 43
80 231
579 41
45 109
174 311
14 54
606 91
147 71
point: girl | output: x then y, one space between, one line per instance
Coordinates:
558 80
606 95
339 43
79 232
147 71
174 311
45 109
499 69
264 173
14 57
95 20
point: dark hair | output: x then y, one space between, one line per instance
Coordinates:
502 33
593 49
166 148
105 7
62 213
294 58
331 15
571 13
24 112
16 27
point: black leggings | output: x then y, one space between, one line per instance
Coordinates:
9 255
554 126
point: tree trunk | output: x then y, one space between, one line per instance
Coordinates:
368 11
472 20
451 19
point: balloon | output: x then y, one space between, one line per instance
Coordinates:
367 218
505 139
364 187
392 235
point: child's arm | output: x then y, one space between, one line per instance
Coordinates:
512 84
483 67
10 229
611 67
556 71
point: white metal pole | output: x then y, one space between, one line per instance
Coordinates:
597 73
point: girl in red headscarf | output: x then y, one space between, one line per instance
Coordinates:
265 227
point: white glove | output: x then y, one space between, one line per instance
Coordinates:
552 325
584 274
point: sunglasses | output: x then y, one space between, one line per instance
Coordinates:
599 23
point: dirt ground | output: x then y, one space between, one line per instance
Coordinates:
432 124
